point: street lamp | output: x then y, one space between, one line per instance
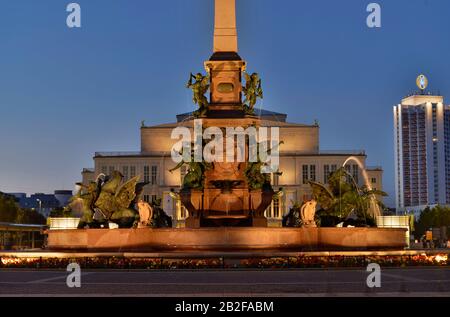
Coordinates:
40 205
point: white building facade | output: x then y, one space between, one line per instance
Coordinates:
422 153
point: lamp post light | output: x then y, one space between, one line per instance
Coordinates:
40 205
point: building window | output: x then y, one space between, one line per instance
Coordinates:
312 173
132 171
146 174
373 180
147 198
305 174
276 208
154 175
154 198
125 172
326 173
308 173
104 169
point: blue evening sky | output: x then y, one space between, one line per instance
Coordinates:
66 93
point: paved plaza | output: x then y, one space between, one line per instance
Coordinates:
312 282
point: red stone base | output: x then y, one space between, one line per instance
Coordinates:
226 239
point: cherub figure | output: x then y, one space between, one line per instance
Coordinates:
199 89
252 91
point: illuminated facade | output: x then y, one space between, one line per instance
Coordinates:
300 160
422 152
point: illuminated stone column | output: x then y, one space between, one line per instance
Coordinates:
225 33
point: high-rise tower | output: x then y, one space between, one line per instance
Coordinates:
422 151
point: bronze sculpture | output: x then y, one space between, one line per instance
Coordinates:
86 197
110 200
252 91
195 176
342 199
255 178
293 218
199 89
301 215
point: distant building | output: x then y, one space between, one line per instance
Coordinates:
63 196
374 175
43 203
87 175
422 152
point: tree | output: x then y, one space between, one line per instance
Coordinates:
30 216
12 213
8 208
60 212
436 217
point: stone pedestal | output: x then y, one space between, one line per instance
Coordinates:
226 199
259 222
239 207
192 222
226 84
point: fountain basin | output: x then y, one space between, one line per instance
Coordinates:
227 239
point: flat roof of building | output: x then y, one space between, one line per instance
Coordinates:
261 113
420 99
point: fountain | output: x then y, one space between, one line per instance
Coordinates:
226 200
374 209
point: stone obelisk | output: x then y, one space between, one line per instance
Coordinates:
225 66
225 33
